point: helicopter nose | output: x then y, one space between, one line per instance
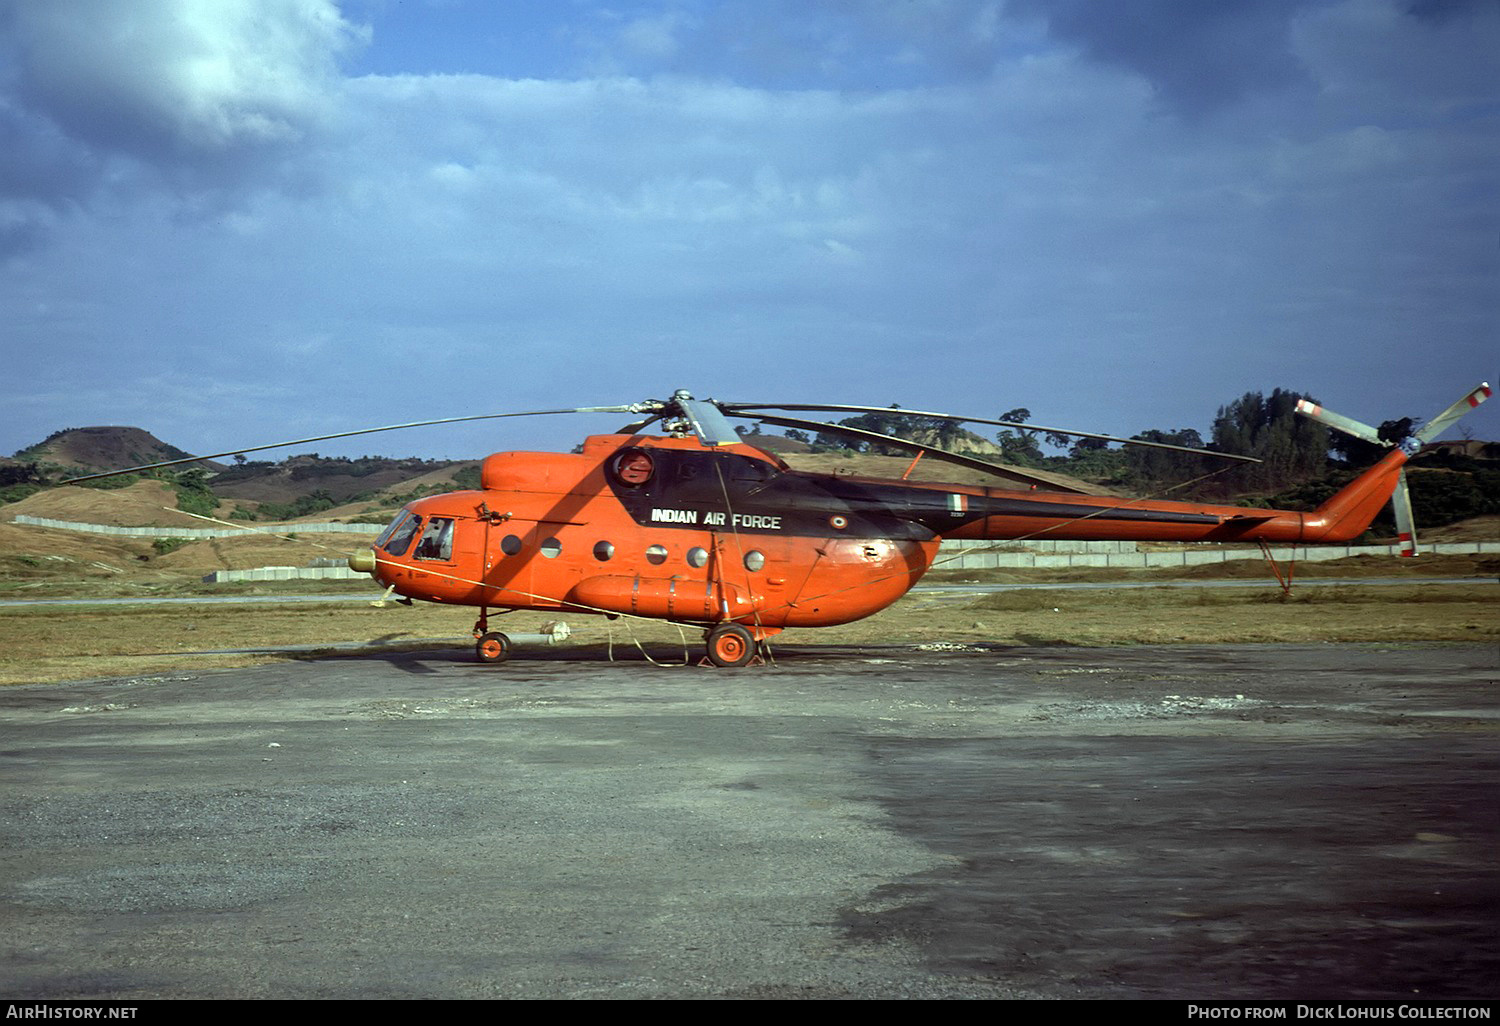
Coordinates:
363 561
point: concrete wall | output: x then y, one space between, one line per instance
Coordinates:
287 573
202 532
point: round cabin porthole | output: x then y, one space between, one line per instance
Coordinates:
510 545
755 559
696 556
838 523
656 555
604 551
551 548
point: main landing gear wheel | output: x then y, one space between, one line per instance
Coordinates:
493 647
729 644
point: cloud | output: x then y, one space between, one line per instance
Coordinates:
1376 60
865 197
170 79
1204 57
655 38
1199 56
110 95
802 44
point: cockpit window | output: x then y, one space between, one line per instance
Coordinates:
390 529
437 540
400 534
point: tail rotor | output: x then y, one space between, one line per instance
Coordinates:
1401 499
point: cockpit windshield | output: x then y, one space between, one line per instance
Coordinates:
397 538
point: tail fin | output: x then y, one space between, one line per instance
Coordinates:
1347 514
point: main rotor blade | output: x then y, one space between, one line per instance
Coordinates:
831 408
1009 473
345 434
1437 425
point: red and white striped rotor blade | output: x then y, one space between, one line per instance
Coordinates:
1437 425
1340 422
1406 528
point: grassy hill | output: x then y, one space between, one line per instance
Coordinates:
93 449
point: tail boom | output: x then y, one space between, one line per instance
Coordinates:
1345 516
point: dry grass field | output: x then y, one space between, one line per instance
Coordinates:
56 643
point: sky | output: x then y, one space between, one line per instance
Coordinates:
232 222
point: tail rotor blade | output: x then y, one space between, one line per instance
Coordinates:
1339 422
1437 425
1406 530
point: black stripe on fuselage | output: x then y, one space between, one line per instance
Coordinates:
1072 511
743 494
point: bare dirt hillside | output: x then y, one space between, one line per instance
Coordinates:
777 444
36 561
290 480
1473 529
142 504
32 555
441 477
246 552
384 505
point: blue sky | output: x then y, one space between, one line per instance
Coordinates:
237 221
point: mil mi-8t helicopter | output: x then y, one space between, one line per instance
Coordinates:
696 526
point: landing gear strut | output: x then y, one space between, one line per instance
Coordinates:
489 646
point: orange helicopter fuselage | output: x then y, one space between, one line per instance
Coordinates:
670 528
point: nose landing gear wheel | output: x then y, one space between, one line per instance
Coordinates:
729 644
492 647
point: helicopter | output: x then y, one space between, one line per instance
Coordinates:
694 525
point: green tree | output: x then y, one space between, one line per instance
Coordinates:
1292 448
1017 445
880 423
1161 465
193 493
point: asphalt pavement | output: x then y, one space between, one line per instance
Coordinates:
893 821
